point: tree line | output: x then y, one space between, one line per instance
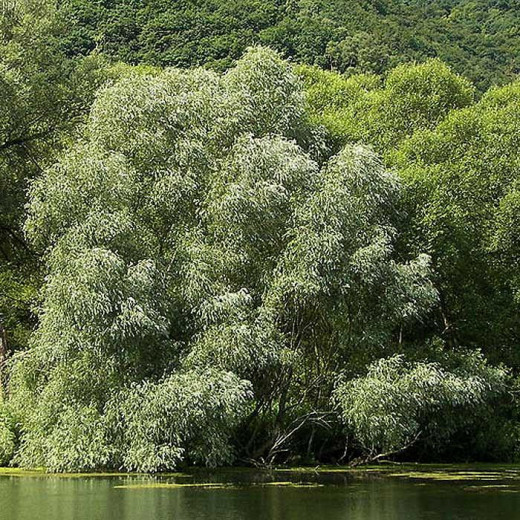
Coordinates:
264 262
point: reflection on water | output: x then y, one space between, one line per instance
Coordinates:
370 498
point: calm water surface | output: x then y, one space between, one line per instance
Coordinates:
252 496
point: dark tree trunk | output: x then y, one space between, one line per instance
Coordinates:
3 358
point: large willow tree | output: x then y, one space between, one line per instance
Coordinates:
210 271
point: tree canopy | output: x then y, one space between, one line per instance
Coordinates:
211 254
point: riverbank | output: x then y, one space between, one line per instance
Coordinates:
432 471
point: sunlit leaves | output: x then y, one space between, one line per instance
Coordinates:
460 181
397 401
367 109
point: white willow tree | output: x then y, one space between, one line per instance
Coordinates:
208 268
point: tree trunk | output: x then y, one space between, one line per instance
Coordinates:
3 359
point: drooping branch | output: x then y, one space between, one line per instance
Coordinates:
3 357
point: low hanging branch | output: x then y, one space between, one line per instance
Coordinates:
380 456
280 444
24 139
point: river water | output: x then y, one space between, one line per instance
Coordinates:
250 495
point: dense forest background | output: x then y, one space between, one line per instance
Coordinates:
258 232
479 39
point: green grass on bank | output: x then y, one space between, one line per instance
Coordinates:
42 472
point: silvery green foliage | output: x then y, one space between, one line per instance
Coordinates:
186 415
7 436
397 400
202 260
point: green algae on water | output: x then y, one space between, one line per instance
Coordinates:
217 485
174 485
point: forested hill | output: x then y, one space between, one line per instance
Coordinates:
478 38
